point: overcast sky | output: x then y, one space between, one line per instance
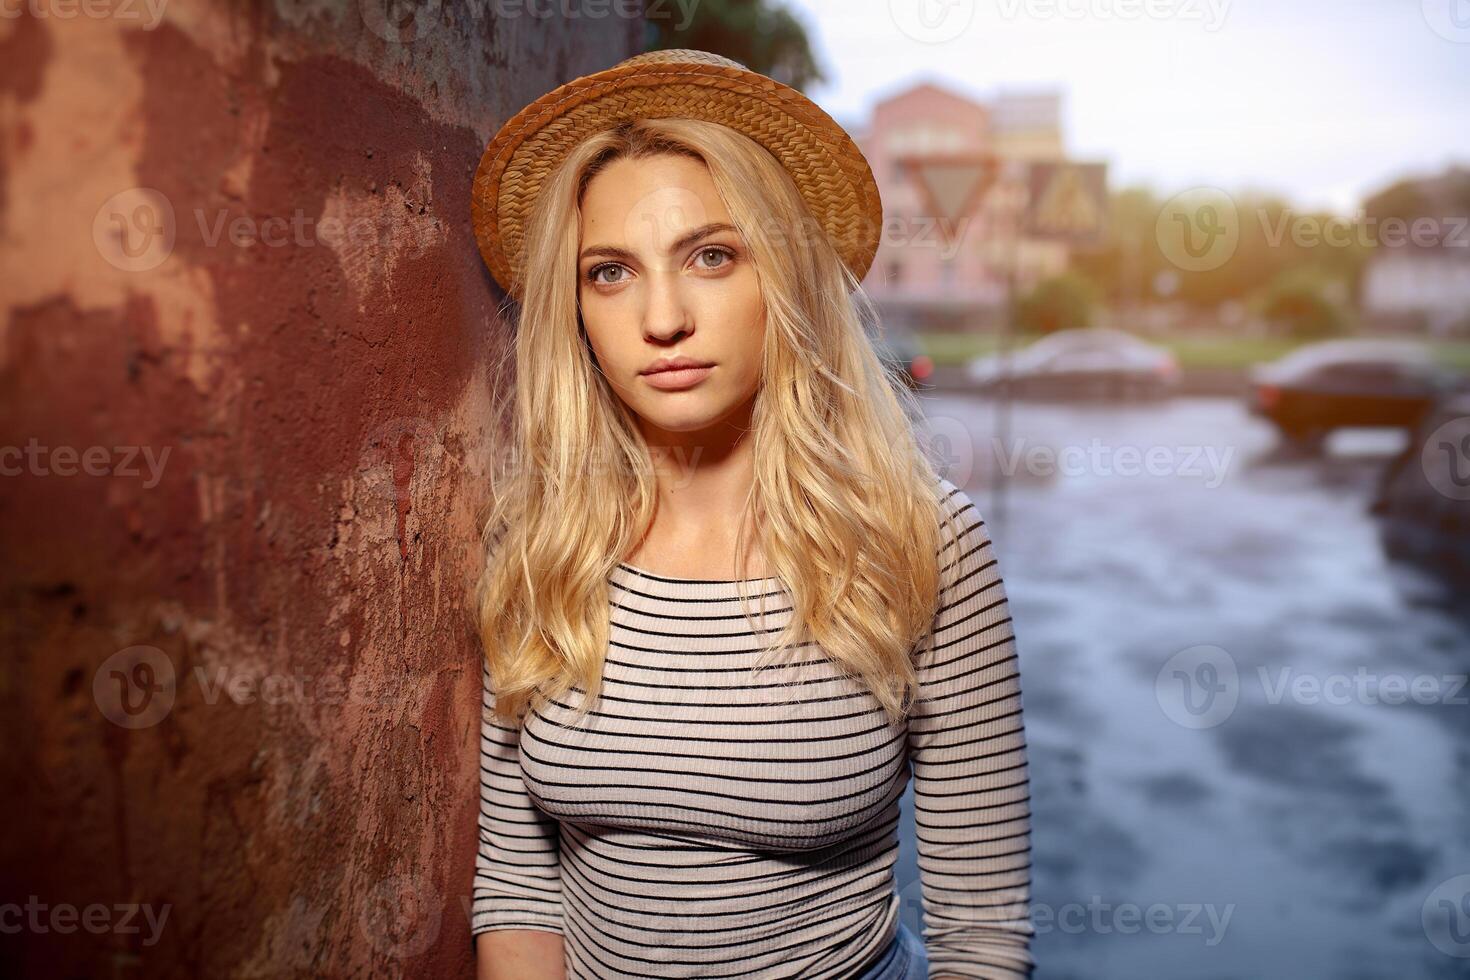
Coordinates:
1319 100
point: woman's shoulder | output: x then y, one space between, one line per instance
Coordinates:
964 536
947 488
952 498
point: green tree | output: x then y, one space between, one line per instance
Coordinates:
761 35
1300 303
1060 303
1442 197
1274 238
1129 259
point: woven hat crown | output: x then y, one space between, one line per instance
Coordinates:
828 168
681 56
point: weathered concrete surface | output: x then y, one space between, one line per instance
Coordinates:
242 447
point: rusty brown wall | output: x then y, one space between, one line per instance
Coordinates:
243 368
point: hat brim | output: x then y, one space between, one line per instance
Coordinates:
828 168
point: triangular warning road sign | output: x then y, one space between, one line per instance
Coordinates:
954 186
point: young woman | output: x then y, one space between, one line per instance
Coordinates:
728 606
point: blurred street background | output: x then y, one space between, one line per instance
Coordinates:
1185 291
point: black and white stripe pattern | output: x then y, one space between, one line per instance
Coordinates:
707 821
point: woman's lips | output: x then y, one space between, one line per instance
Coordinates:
678 379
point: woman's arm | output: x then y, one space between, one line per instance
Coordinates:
520 954
968 747
515 909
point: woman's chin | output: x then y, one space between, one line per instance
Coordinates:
682 422
694 416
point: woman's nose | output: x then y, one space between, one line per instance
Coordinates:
667 313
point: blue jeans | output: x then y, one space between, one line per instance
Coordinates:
903 959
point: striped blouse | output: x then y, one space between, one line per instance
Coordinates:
705 821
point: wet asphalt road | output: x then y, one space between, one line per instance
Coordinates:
1249 731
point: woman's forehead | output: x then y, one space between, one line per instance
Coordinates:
650 204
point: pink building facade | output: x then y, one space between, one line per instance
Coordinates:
950 236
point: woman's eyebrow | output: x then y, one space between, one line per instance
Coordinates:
685 240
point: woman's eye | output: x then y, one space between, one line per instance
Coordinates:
719 254
595 274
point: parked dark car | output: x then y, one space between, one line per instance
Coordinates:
901 353
1341 383
1086 362
1423 499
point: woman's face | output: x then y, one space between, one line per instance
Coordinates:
662 273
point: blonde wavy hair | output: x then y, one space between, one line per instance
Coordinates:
846 506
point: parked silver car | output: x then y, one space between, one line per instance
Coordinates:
1080 363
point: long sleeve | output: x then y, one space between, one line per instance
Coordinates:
967 744
518 866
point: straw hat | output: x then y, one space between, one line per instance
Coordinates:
821 157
